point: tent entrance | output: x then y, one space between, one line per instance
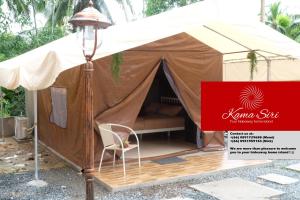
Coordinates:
163 124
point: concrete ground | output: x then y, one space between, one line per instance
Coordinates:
65 183
18 157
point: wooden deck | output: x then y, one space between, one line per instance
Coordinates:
152 173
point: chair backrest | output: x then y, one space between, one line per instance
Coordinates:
106 135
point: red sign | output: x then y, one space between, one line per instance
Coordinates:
250 106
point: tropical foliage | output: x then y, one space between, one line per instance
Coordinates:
288 25
23 13
13 102
59 11
4 111
158 6
12 44
4 20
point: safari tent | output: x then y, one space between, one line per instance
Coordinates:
186 45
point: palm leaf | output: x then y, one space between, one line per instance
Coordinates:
60 12
67 8
130 7
104 9
40 5
18 7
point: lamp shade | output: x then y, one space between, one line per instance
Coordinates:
90 17
86 23
88 39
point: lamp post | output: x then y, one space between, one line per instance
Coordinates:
87 22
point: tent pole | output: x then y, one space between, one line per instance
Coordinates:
268 69
2 127
36 182
36 163
211 29
266 58
2 140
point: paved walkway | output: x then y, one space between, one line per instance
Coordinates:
65 183
153 173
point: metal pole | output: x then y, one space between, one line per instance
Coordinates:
2 125
89 130
36 182
36 157
268 70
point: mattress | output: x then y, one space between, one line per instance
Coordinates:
156 121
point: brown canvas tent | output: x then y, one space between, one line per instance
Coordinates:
194 47
120 101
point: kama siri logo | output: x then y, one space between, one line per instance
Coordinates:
244 106
251 99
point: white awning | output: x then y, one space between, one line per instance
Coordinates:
38 69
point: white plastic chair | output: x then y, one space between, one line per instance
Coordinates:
108 138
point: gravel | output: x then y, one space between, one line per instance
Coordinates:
65 183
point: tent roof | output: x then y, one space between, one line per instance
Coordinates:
38 69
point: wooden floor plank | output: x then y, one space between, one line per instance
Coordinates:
195 164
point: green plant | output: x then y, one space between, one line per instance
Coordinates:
4 20
117 60
4 112
157 6
14 101
253 63
45 36
12 45
286 24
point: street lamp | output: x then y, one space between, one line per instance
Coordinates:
87 22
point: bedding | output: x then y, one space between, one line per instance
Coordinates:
169 110
156 121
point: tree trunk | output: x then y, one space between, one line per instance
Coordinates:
34 17
125 10
53 17
106 11
131 8
144 8
262 11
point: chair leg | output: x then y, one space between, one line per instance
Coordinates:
114 160
123 155
139 156
101 160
